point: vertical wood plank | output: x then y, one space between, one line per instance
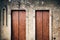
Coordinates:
14 25
22 25
38 25
45 25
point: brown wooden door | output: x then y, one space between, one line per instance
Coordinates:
18 25
42 25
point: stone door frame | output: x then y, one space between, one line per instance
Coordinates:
50 22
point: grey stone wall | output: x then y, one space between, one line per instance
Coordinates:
56 23
30 7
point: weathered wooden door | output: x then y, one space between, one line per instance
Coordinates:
42 25
18 25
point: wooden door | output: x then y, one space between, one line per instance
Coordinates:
42 25
18 25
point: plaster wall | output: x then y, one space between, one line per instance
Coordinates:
54 23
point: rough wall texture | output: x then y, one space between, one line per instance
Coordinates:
30 8
56 24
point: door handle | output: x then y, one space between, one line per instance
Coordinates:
54 38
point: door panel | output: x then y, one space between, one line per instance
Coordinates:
45 25
39 25
42 25
15 25
18 25
22 25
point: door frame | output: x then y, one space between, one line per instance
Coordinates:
9 20
50 22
